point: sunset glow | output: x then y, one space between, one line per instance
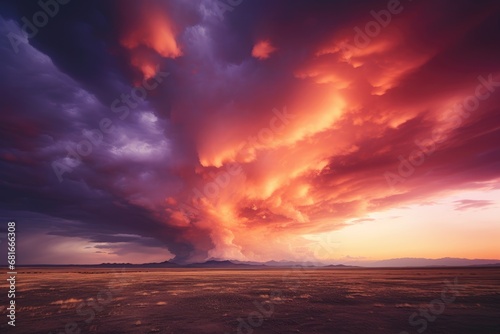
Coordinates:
256 133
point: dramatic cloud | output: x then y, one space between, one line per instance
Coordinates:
147 31
178 129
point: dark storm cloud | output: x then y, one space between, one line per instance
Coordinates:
43 111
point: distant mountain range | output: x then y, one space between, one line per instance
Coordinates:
227 264
422 262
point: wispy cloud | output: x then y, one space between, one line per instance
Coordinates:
468 204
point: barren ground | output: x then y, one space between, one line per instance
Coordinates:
83 300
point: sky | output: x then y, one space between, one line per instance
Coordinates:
251 130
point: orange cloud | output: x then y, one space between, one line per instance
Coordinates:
354 111
263 49
149 27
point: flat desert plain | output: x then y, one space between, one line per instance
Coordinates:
286 300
